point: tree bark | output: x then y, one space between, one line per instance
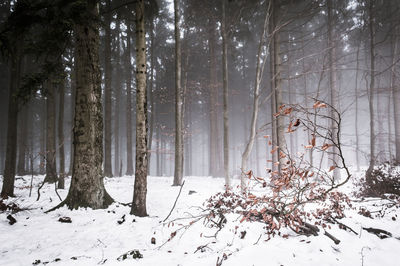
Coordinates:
178 172
87 187
107 91
140 188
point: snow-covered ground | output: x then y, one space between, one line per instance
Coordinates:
101 236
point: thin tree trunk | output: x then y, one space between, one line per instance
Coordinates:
371 92
396 99
117 103
215 154
150 92
140 187
178 172
61 136
129 146
51 168
334 97
280 136
356 112
225 97
87 186
23 137
259 72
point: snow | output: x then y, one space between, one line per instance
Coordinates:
95 236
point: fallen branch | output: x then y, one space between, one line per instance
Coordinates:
382 234
333 220
335 240
176 200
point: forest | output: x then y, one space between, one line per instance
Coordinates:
184 132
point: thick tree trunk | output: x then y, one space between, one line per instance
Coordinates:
51 168
107 92
140 188
225 96
371 92
61 136
259 74
178 173
87 187
129 145
11 149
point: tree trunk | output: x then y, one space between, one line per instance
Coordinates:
371 92
215 154
140 188
23 137
50 155
334 96
87 187
11 149
396 99
259 74
356 112
129 146
72 114
280 136
178 173
61 136
107 91
152 113
117 102
225 97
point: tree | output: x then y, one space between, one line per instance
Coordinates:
87 186
107 92
129 160
140 187
334 94
371 89
178 172
225 93
256 98
60 131
11 149
50 155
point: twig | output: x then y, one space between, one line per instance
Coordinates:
176 200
